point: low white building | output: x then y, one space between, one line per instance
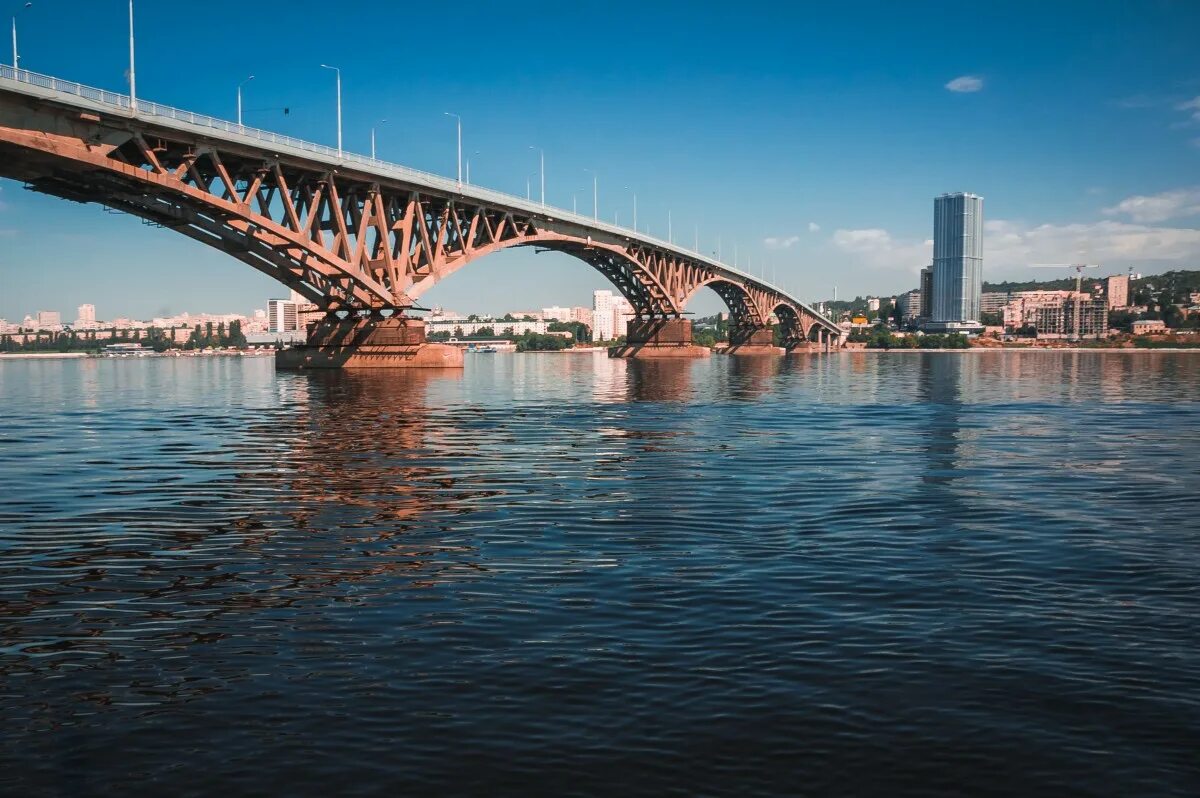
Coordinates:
457 327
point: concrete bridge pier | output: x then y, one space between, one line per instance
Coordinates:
373 341
658 338
753 341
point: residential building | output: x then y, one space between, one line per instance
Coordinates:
49 320
1143 326
873 303
457 327
910 307
282 316
1022 308
924 309
1116 291
1059 319
610 314
957 262
86 319
993 301
556 314
582 315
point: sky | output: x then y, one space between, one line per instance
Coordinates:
813 137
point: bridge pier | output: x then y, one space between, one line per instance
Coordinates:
658 338
368 342
753 341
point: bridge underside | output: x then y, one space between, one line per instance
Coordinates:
352 242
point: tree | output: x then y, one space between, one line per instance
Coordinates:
237 338
578 330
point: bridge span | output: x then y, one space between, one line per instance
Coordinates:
360 238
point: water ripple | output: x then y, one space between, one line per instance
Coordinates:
910 573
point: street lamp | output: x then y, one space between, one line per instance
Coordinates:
626 188
132 70
243 83
380 122
541 170
17 58
476 152
670 234
458 120
338 72
595 195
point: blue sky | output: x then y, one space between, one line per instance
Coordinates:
815 136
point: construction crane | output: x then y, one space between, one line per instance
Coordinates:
1078 267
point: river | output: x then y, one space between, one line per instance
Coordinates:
871 573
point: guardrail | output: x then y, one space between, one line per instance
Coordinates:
145 108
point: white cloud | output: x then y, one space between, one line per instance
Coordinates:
1192 105
965 84
813 227
781 243
1158 207
876 248
1009 246
1012 245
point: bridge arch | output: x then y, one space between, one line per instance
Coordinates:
346 232
743 310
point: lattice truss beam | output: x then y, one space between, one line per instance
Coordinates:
348 242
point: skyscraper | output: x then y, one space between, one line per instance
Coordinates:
87 318
957 262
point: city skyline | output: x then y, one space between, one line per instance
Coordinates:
838 199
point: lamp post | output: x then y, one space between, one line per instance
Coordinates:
541 170
338 73
458 121
243 83
670 233
595 195
16 57
132 69
469 167
380 122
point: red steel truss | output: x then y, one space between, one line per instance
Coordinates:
342 236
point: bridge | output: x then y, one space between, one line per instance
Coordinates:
360 238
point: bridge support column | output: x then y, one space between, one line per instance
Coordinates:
753 341
654 338
368 342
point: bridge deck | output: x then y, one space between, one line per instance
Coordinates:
76 95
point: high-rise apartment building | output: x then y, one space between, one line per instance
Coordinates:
924 310
610 314
86 319
282 316
1116 291
957 262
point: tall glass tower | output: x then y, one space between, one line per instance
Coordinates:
957 262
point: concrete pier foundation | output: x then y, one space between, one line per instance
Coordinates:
658 338
754 341
368 342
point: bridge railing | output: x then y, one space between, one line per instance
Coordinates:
146 108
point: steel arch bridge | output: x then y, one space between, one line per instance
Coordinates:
348 233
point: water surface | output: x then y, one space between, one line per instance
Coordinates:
927 573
